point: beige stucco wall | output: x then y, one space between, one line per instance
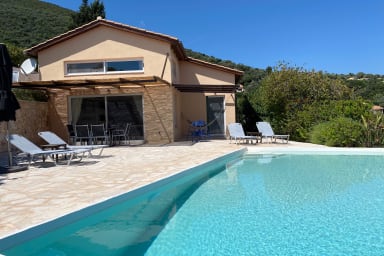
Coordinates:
192 73
193 107
30 119
106 43
174 68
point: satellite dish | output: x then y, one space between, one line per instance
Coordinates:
28 66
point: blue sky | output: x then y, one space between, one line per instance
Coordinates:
335 36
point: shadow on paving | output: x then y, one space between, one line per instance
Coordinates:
4 166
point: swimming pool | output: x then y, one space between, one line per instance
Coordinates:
256 204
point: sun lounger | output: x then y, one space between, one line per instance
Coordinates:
236 132
267 132
53 138
30 150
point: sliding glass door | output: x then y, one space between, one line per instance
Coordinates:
126 109
110 110
88 110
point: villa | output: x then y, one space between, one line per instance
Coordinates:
112 73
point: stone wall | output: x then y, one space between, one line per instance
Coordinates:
30 119
158 115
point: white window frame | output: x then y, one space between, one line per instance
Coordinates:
104 63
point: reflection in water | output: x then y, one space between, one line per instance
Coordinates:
297 179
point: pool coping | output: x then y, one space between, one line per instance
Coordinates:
315 149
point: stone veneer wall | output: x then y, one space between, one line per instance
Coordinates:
30 119
158 115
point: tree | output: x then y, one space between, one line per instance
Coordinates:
287 90
87 13
245 114
16 53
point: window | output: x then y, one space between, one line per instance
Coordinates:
133 65
104 67
91 67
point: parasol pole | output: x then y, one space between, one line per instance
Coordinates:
9 147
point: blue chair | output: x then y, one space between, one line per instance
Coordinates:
199 130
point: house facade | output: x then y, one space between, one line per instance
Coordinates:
112 73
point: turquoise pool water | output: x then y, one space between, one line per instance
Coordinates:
253 205
283 205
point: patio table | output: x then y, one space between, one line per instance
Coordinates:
53 147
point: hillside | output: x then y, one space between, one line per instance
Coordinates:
25 23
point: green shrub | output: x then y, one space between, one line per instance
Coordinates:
301 123
31 95
373 130
339 132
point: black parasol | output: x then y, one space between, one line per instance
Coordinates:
8 101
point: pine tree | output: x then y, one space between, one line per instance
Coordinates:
87 13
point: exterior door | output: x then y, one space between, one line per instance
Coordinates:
215 115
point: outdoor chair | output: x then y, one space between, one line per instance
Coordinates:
71 132
54 139
267 132
236 132
99 133
31 150
198 130
120 134
82 134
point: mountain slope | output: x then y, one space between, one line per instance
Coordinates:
25 23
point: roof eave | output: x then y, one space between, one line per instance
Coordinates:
238 73
175 43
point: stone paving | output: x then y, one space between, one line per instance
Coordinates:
45 191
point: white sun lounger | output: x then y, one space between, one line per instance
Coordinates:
31 150
53 138
236 132
267 132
